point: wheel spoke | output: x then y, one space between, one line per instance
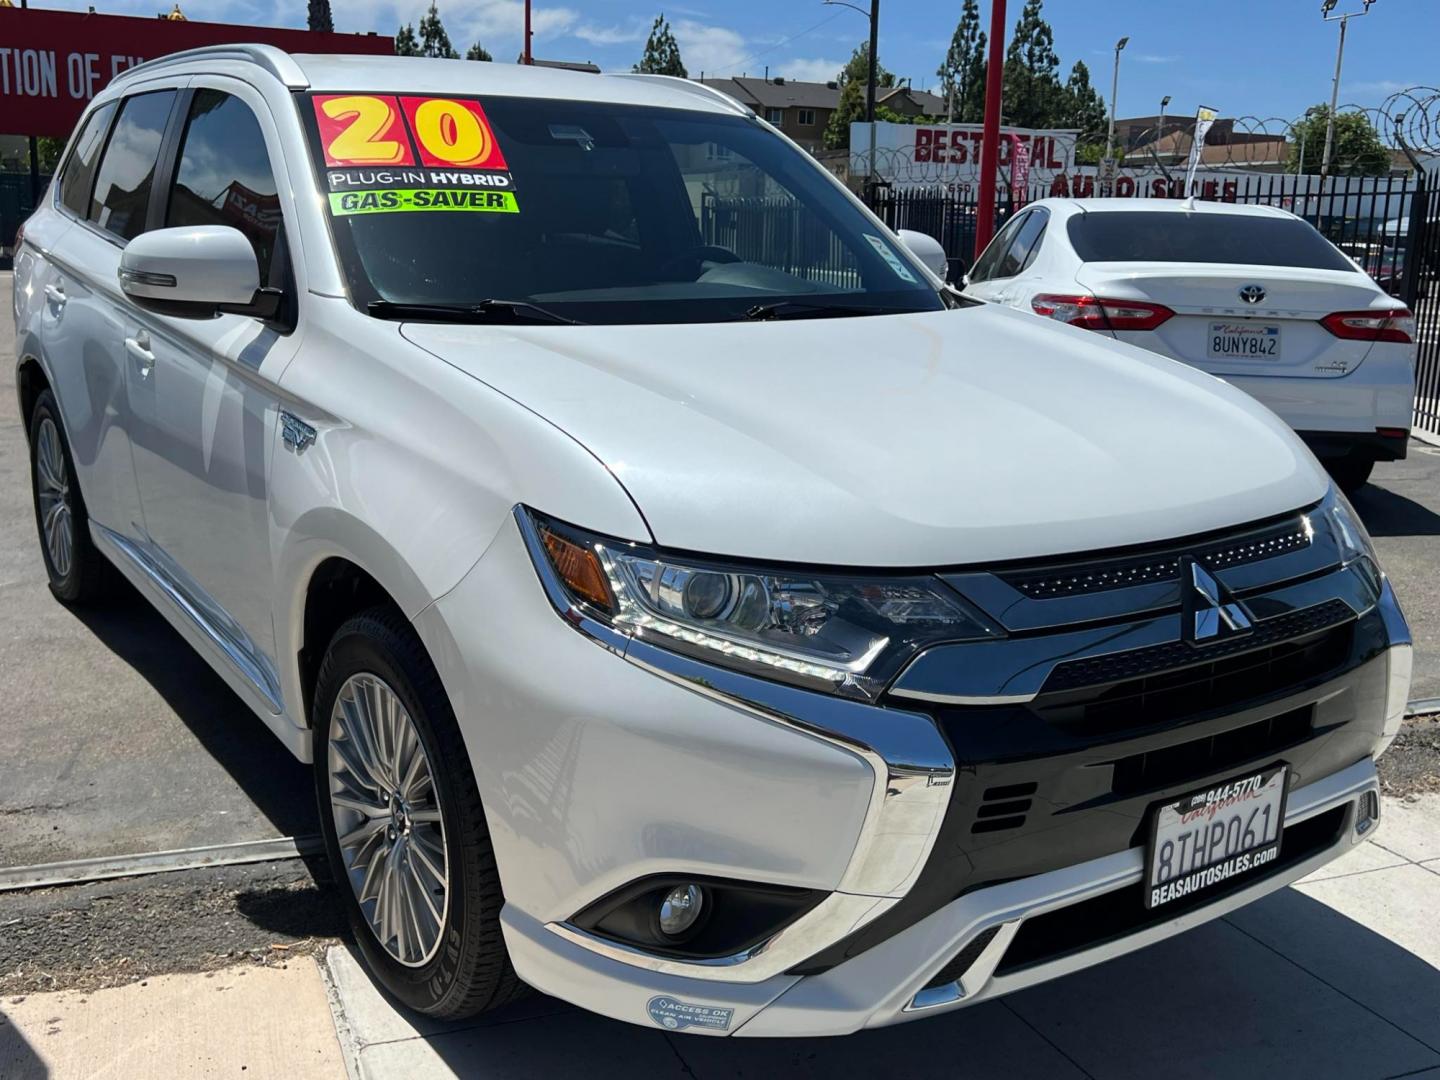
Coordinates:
388 819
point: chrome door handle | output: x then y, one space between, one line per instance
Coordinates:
55 295
139 349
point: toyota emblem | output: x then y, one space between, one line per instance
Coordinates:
1252 294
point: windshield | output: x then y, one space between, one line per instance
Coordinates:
594 212
1171 236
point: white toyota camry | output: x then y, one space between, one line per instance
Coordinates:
1252 294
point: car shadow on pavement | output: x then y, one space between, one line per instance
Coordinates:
1387 514
18 1059
1286 987
280 787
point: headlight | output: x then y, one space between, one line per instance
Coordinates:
1351 538
847 634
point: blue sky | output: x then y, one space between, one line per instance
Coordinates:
1263 58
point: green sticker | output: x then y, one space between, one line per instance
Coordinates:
402 200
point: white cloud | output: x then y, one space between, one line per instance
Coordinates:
711 49
816 70
632 31
1154 58
1379 87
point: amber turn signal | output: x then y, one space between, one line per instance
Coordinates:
579 568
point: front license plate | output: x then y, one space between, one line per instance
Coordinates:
1213 835
1244 341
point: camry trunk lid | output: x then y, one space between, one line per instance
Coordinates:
1242 320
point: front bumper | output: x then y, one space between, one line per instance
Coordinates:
603 760
886 984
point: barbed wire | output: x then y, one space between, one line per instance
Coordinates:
1407 120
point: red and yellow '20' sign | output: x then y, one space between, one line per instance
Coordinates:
367 129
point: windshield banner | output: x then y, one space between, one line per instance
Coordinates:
385 154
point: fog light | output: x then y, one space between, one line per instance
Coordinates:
680 908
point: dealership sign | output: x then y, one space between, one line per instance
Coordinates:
950 153
53 62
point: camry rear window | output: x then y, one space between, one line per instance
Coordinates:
1169 236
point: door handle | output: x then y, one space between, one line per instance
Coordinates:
139 349
55 295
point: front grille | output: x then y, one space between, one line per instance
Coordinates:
1160 564
1117 914
1171 765
962 960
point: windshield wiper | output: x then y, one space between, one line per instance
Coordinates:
800 309
483 311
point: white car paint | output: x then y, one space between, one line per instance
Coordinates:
1319 384
224 464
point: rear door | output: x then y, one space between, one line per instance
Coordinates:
994 274
1248 291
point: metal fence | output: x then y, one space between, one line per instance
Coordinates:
1389 225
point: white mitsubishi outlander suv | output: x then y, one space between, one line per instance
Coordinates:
690 606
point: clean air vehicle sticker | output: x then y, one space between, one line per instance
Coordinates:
887 253
386 154
678 1015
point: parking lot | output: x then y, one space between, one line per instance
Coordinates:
119 740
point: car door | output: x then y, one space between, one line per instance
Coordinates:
203 393
81 323
993 276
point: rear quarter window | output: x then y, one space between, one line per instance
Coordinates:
1170 236
78 176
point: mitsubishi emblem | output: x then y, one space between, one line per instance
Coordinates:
1210 611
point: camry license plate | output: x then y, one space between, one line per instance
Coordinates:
1244 341
1214 835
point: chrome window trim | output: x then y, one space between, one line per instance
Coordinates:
913 774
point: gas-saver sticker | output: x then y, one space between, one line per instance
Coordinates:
400 200
396 154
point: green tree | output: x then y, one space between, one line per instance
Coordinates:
1033 94
854 78
1082 107
434 41
962 74
406 43
319 18
478 52
662 52
1358 150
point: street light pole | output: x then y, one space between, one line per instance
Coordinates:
1326 7
1160 128
870 90
1114 91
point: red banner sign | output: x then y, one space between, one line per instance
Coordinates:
53 62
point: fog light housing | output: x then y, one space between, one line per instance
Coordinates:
1367 812
680 908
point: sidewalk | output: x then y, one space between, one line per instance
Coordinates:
1337 976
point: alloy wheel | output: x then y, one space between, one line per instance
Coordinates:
52 485
386 810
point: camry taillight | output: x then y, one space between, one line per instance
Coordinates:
1394 324
1098 313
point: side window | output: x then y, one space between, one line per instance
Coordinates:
1027 237
1043 217
987 265
78 176
127 170
224 176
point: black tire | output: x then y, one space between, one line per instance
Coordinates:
470 971
1351 473
88 577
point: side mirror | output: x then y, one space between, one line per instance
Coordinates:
928 250
196 272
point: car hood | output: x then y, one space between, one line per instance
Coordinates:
932 439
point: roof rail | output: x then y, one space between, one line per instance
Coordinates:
699 89
276 61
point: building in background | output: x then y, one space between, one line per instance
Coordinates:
799 109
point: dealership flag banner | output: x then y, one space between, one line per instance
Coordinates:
53 62
1019 170
1204 117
